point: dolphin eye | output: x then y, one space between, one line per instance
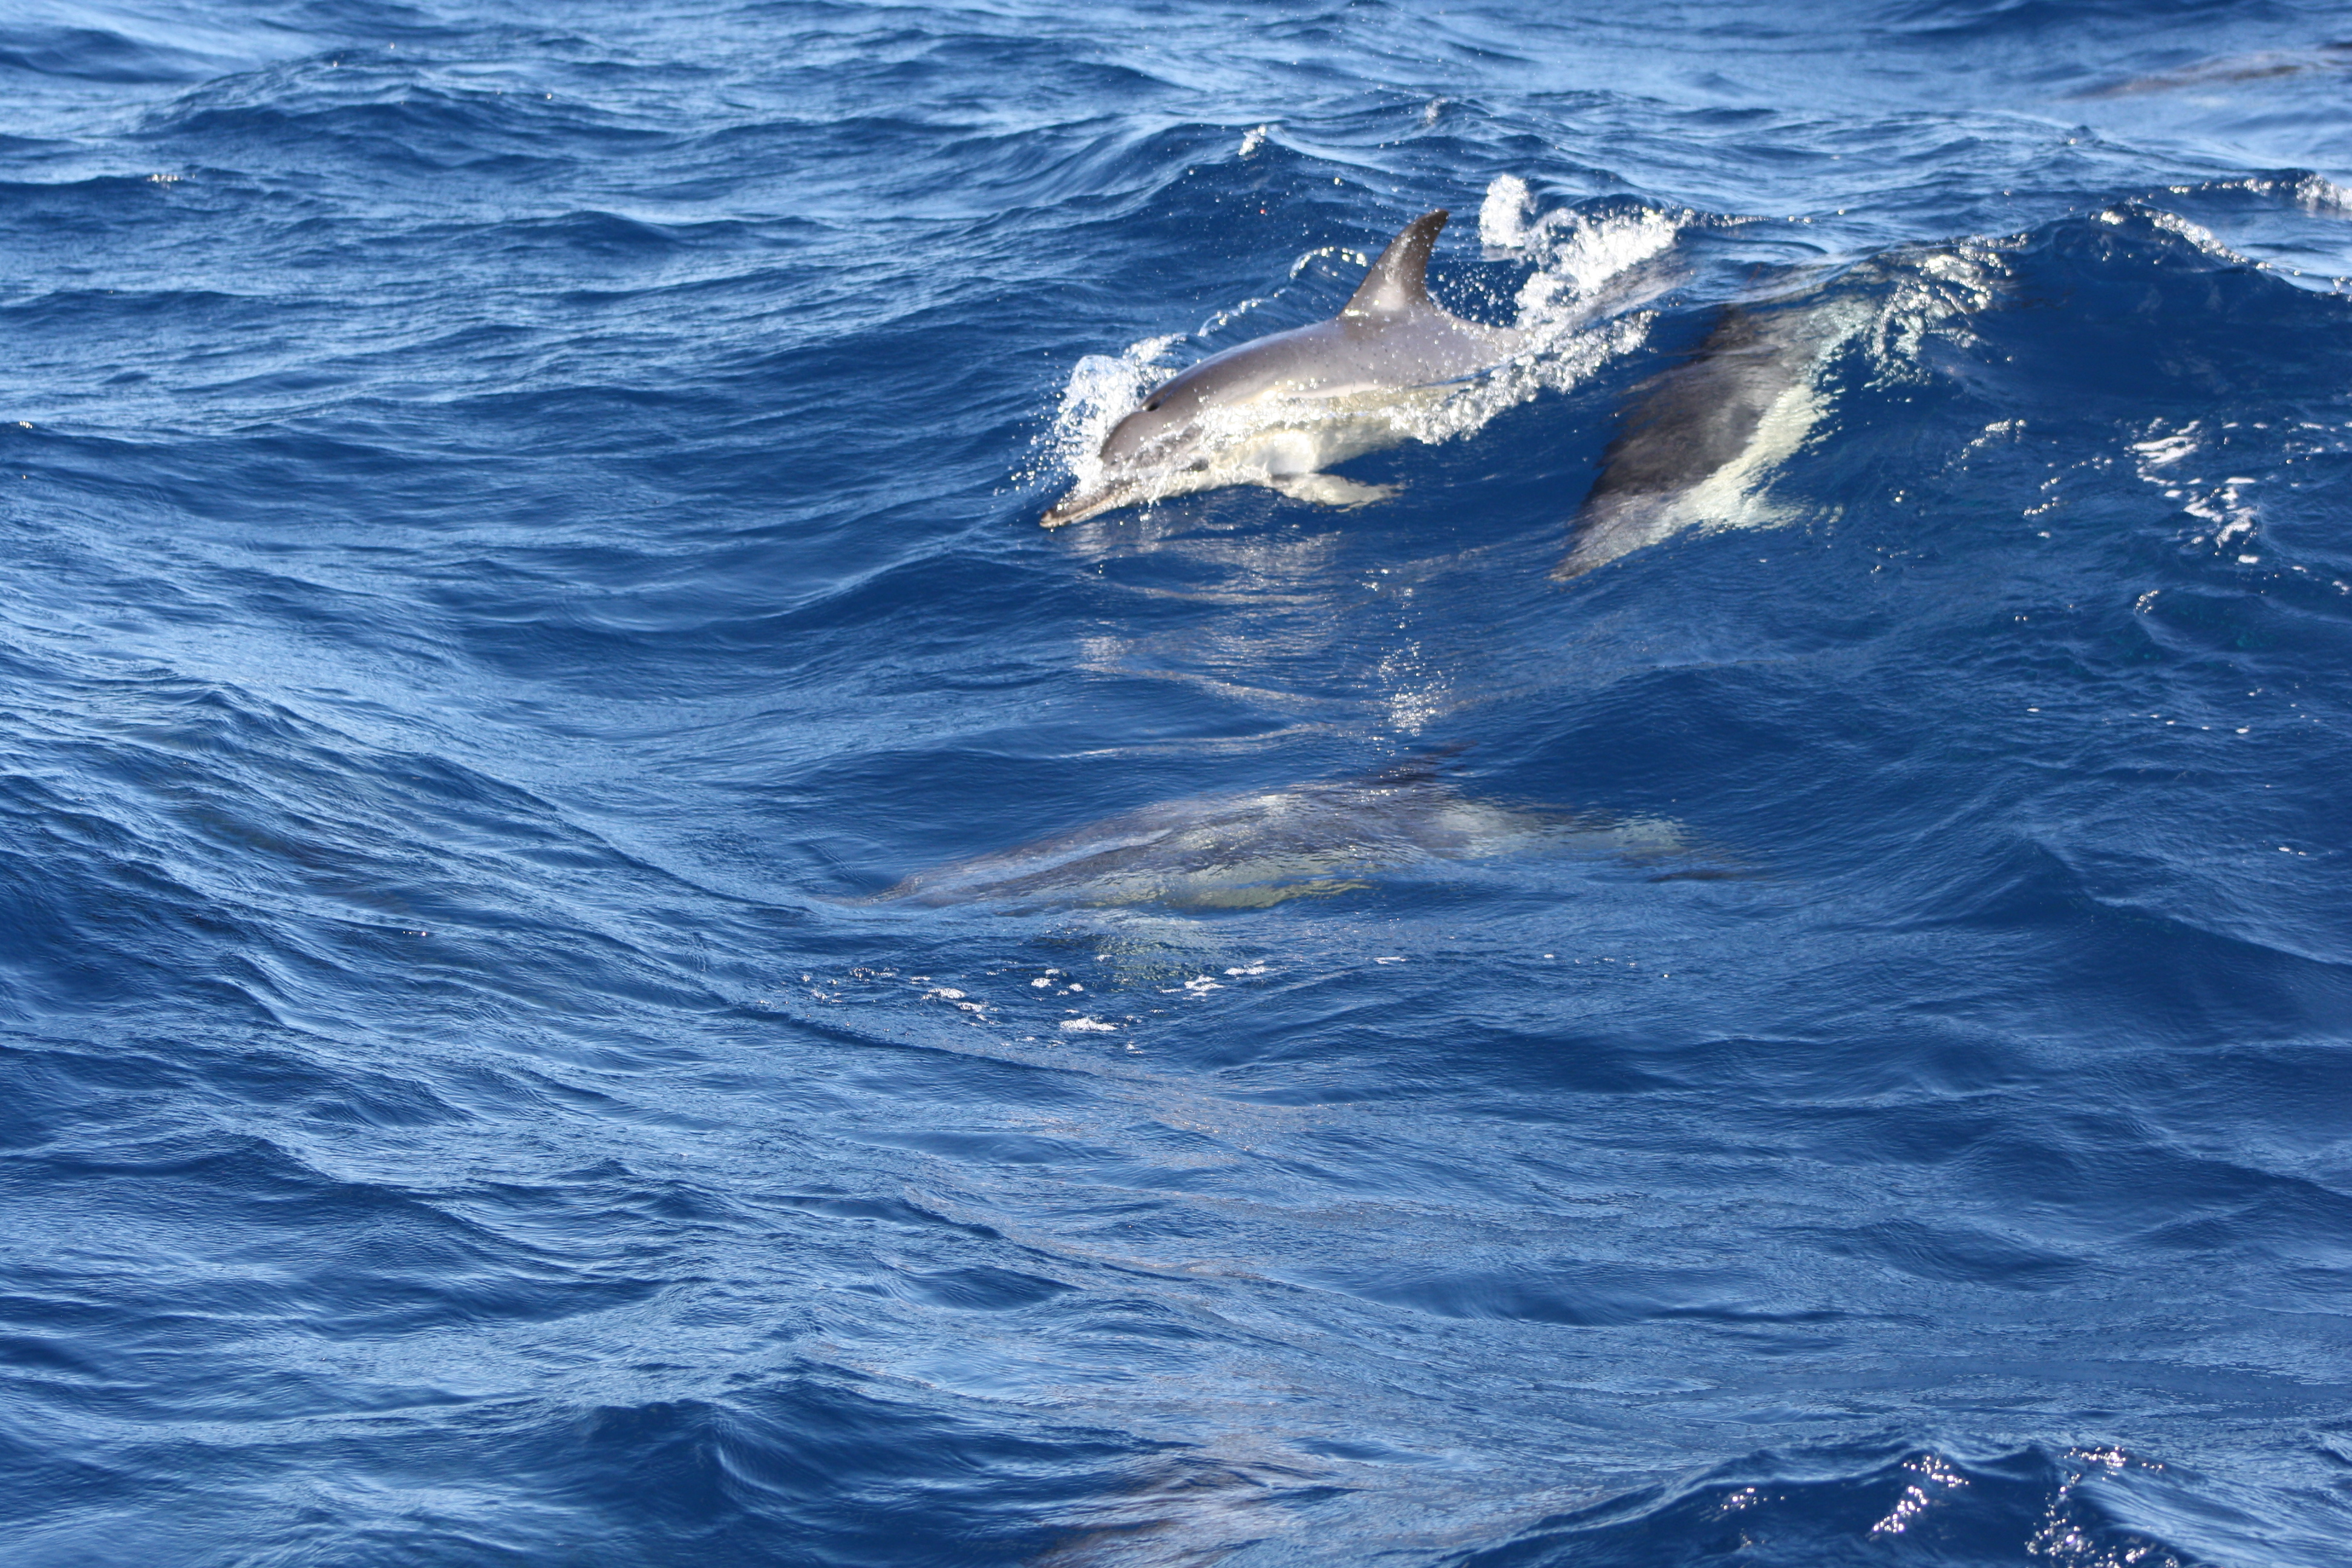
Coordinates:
1152 406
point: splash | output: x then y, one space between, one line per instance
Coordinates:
2220 506
1102 390
1579 257
1502 217
1576 311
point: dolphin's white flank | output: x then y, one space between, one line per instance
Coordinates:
1280 409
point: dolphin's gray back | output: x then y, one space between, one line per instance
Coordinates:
1421 346
1390 336
1325 829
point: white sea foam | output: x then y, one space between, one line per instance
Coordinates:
1102 390
2223 505
2320 195
1505 215
1577 255
2197 235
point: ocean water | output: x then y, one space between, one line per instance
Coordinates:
609 956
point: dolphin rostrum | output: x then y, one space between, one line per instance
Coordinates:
1276 410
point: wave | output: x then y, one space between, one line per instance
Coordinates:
511 538
1810 1511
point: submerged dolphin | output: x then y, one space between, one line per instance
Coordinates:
2229 68
1278 409
1253 849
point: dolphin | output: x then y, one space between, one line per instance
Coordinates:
1702 441
1252 849
1702 436
2266 65
1706 438
1278 409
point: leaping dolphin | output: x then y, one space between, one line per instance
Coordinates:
1278 409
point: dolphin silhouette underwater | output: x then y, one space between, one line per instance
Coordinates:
1280 409
1256 849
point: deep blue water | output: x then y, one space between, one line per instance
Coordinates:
518 518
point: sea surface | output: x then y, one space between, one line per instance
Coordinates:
609 956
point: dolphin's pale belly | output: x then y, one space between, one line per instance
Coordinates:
1286 442
1302 437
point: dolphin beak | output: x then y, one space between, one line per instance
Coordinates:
1081 504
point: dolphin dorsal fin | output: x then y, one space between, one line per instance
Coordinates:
1399 280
